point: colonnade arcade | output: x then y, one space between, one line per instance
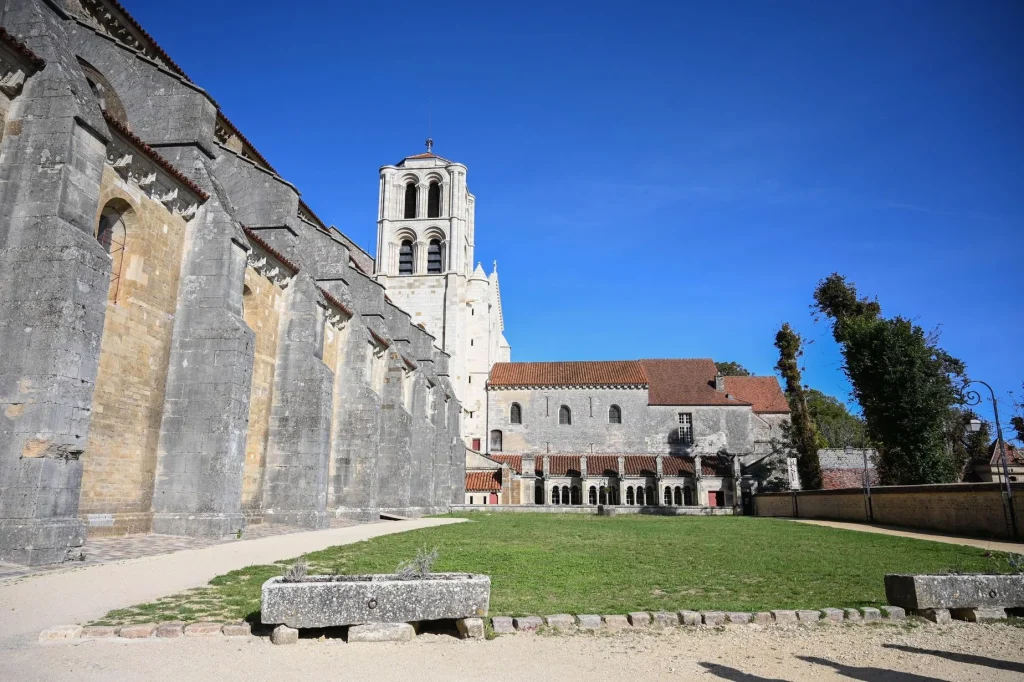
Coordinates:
678 492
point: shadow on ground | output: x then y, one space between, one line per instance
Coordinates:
972 659
869 674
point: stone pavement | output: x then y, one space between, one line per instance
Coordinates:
995 545
106 550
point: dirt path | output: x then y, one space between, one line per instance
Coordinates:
996 545
77 595
898 653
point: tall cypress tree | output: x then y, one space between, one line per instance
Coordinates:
803 433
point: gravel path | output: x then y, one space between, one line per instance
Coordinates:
898 653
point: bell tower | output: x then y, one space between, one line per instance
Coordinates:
425 244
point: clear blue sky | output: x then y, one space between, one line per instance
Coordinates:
662 179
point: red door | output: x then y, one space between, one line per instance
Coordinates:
493 499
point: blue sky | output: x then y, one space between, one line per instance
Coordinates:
664 179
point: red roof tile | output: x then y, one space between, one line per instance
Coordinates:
1014 457
641 465
602 465
251 234
608 465
535 374
683 382
424 155
22 49
715 466
764 393
678 466
335 302
483 481
514 462
156 47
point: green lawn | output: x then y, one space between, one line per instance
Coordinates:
568 563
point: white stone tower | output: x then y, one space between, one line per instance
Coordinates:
425 238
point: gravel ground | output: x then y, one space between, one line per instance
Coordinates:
899 653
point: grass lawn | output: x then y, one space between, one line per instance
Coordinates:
568 563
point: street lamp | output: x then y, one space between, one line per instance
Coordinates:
974 398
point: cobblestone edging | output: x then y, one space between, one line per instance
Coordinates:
145 631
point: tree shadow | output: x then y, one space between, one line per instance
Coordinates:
727 673
973 659
869 674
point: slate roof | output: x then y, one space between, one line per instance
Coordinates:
764 393
483 481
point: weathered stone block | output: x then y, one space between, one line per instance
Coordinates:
870 614
833 615
853 615
784 617
142 631
99 631
327 601
60 632
763 618
502 625
202 629
527 623
737 618
470 628
237 629
689 617
954 591
173 629
712 619
615 622
939 616
893 613
382 632
665 619
985 615
808 616
561 621
283 634
589 621
639 619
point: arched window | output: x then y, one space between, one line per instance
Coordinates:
668 497
639 495
555 497
592 495
435 257
495 440
629 495
405 255
688 497
565 494
651 497
411 195
515 415
434 200
113 236
614 415
564 415
679 496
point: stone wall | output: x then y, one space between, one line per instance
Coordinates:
961 508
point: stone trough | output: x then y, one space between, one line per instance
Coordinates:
971 597
321 601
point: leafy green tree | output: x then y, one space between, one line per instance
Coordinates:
732 369
802 434
836 425
1017 420
963 445
905 383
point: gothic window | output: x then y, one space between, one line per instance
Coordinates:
629 495
564 415
640 496
496 441
686 428
614 415
434 200
592 495
405 258
515 414
668 497
678 496
555 497
435 257
411 195
565 494
113 236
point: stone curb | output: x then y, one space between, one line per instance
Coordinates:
145 631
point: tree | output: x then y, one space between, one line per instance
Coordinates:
802 434
1017 420
964 446
838 428
905 383
732 369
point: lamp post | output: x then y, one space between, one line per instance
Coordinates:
869 512
974 398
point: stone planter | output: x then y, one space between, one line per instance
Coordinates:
320 601
923 592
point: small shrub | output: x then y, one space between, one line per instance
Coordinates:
297 571
418 566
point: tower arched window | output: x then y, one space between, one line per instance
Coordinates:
434 200
435 257
564 415
614 415
113 236
515 414
405 254
411 196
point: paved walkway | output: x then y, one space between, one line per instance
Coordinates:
997 545
30 604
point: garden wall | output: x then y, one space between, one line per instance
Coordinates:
958 508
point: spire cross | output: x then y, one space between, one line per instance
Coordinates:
430 145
